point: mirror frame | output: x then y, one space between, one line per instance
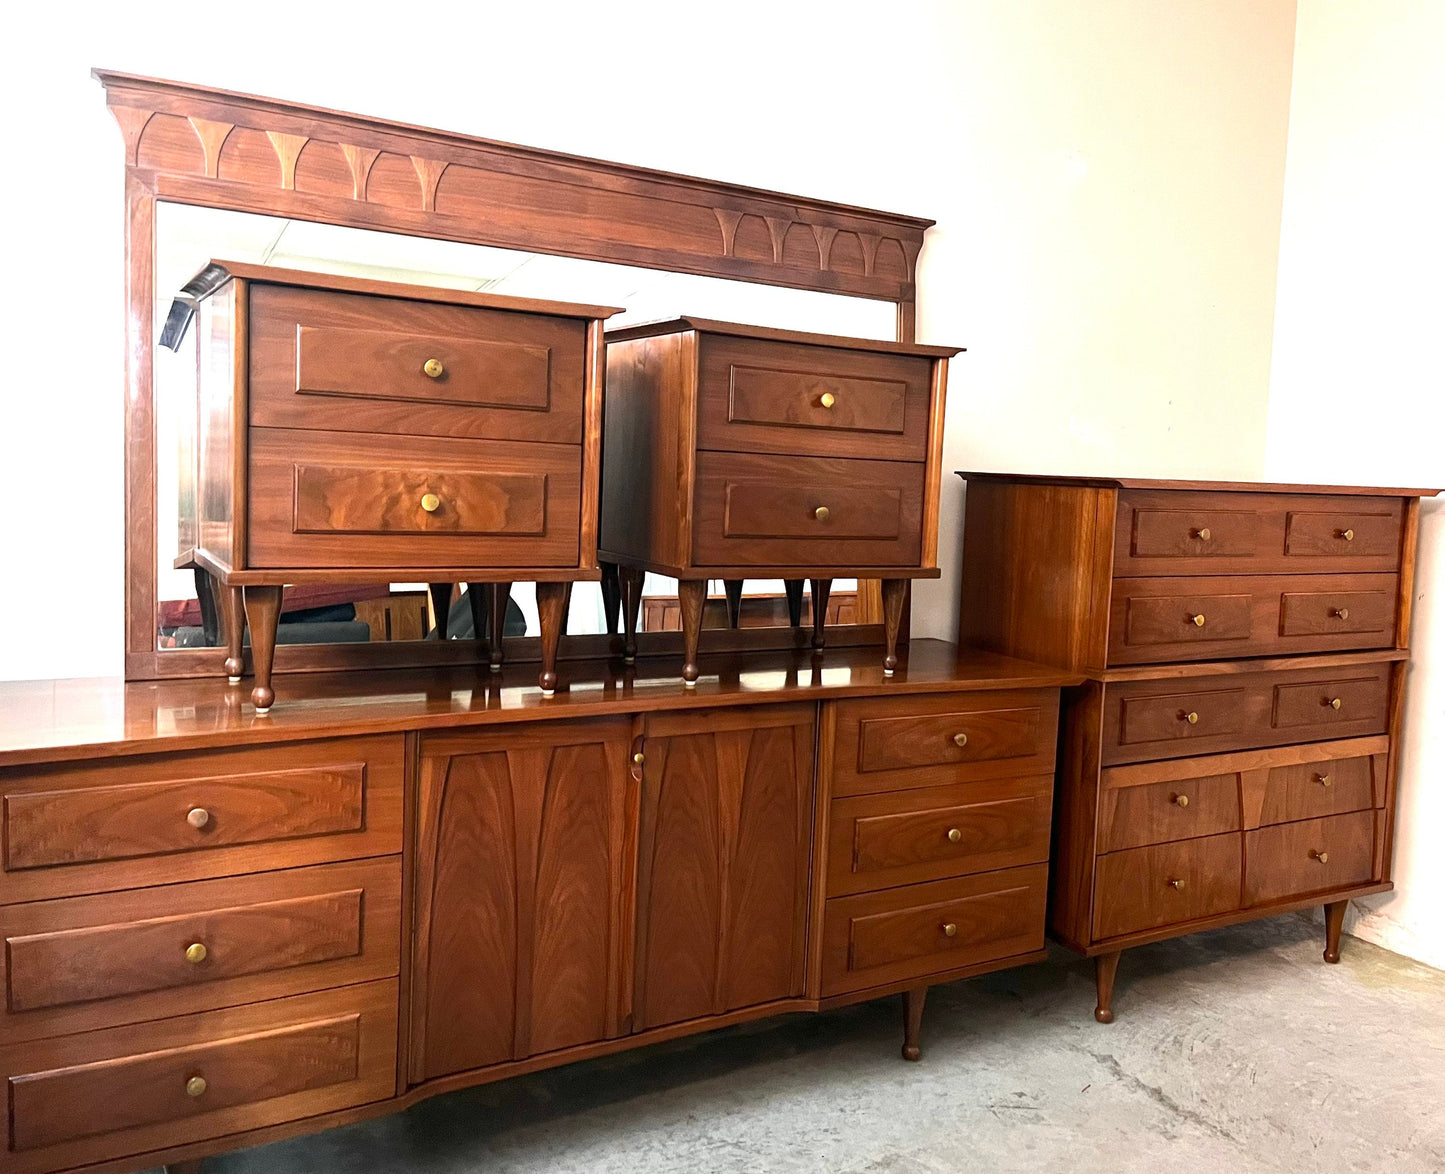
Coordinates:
192 144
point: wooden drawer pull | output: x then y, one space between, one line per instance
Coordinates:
954 835
827 399
1197 620
196 953
196 1086
1201 533
1176 884
1179 800
1322 857
198 817
433 369
950 930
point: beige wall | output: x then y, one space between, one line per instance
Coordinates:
1358 387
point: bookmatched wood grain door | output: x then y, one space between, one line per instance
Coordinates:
724 851
525 877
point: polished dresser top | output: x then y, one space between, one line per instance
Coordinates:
1210 486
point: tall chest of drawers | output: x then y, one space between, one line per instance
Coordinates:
1232 753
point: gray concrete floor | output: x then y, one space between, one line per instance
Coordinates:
1234 1051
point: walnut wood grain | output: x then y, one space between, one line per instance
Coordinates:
1164 884
1316 855
1178 809
263 613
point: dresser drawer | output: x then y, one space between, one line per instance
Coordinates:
1172 718
1166 884
320 359
774 397
157 819
753 510
1133 813
899 743
1174 619
879 841
125 1091
1323 786
84 962
920 930
329 499
1194 532
1292 859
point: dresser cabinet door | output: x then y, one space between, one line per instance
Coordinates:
524 879
723 864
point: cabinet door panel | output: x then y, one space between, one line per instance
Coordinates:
724 855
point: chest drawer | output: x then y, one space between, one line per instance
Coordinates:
172 1081
775 397
899 743
877 841
918 930
86 962
1165 884
1196 532
1323 786
72 829
322 359
753 510
1134 814
1291 859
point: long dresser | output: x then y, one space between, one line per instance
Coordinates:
1232 751
222 929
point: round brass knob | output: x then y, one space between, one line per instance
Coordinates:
827 399
1322 857
196 953
198 817
1347 535
1177 885
1198 620
960 739
433 368
950 930
1181 800
638 758
1202 533
195 1086
954 835
430 502
1324 780
1192 718
1335 703
822 513
1342 613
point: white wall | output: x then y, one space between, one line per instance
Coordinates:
1358 386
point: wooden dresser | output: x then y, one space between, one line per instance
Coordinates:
222 930
357 431
1232 753
737 451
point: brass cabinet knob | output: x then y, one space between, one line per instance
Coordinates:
430 502
954 835
1347 535
433 368
1198 620
1202 533
1324 780
960 739
196 953
1340 613
822 513
1180 800
638 758
198 817
1335 703
950 930
1176 884
195 1086
827 399
1322 857
1191 717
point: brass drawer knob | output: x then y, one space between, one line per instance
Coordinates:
822 513
1335 703
638 758
1340 613
1180 800
198 817
950 930
954 835
1176 884
195 1086
827 399
960 740
433 368
196 953
1324 780
1191 717
1198 620
430 502
1202 533
1347 535
1322 857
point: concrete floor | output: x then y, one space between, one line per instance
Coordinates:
1234 1051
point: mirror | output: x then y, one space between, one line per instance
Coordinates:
189 236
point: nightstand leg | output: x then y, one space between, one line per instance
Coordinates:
501 596
794 588
479 599
1106 966
913 1022
631 608
552 600
895 591
1334 926
819 592
734 590
691 595
263 613
611 596
233 619
207 588
441 605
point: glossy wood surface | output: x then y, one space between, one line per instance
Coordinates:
1176 809
1231 487
1316 855
1163 884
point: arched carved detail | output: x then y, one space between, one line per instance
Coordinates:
361 160
288 147
429 173
394 182
249 156
323 169
170 143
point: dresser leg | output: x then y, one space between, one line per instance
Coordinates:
913 1022
1334 925
1106 966
611 596
819 592
501 596
206 590
233 618
479 599
895 591
734 590
552 601
794 588
691 595
441 605
631 608
263 613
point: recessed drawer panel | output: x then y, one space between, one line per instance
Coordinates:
1338 700
1203 712
919 930
1326 786
1292 859
877 841
109 1094
1177 809
1370 532
1166 884
1306 612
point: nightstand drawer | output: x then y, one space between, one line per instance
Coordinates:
1166 884
1292 859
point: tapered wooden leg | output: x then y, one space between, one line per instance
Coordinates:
479 599
206 590
501 596
895 591
552 601
1105 967
691 595
794 588
631 608
191 1167
733 588
263 613
611 596
819 592
1334 925
233 619
913 1022
441 605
